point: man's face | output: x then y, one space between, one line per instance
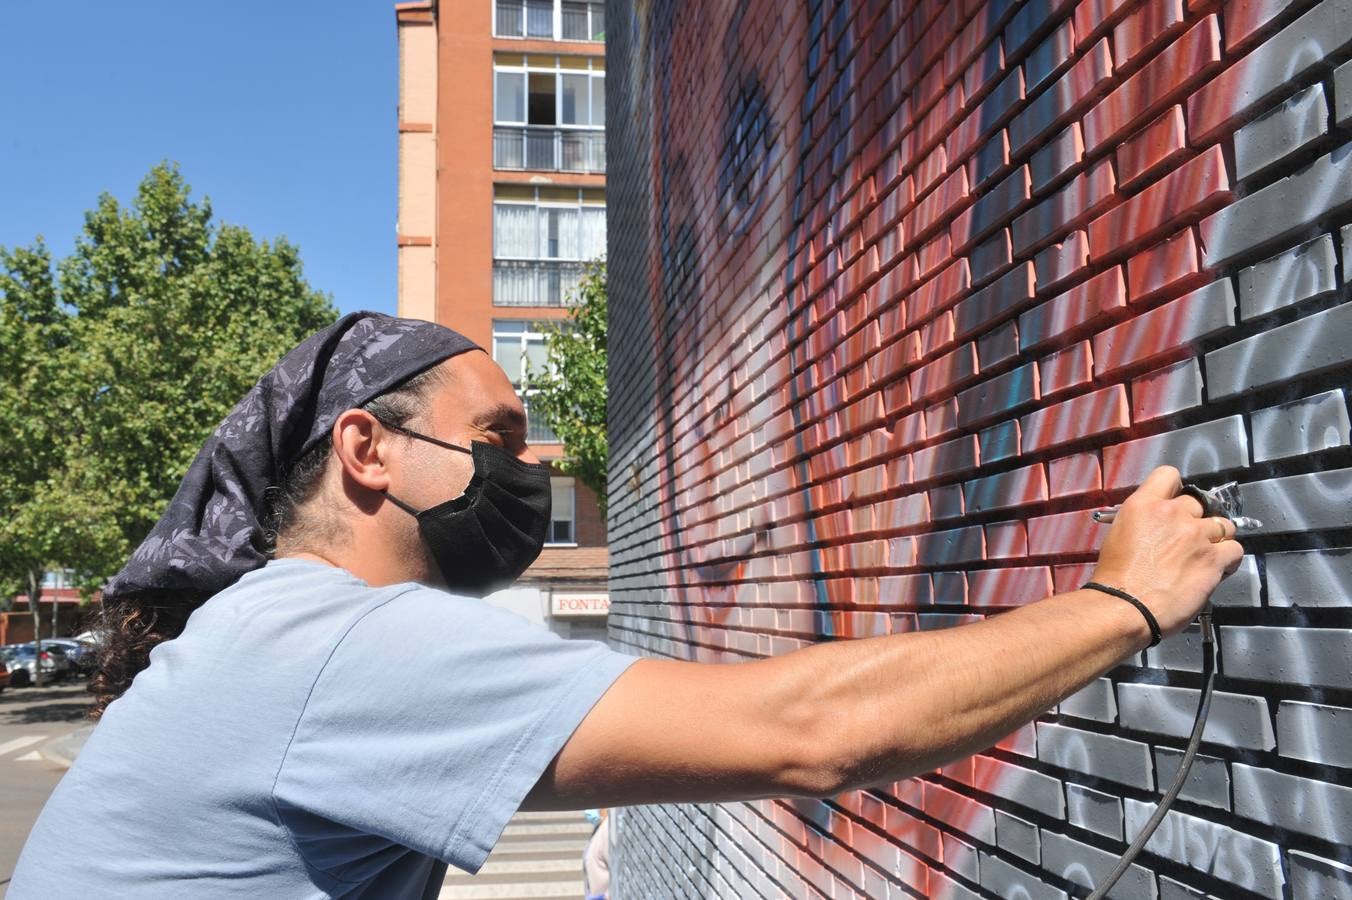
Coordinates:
476 403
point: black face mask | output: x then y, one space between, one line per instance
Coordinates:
485 538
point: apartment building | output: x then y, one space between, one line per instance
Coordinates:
501 204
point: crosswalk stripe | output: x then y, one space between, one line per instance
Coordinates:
31 756
19 743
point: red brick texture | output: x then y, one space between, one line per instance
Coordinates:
900 293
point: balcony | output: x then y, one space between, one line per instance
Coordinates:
538 431
578 20
534 282
544 149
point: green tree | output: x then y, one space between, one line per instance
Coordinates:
34 335
118 363
570 391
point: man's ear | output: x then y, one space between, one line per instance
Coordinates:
361 445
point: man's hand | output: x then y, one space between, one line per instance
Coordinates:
1161 550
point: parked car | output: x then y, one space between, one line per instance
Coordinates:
4 675
82 655
22 660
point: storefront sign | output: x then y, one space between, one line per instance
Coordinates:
576 605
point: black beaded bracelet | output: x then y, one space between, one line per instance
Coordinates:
1116 592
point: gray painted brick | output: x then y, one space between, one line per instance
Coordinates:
1094 810
1301 502
1240 589
940 620
950 587
1093 701
1314 732
1347 247
1313 578
1303 426
997 396
990 256
1102 755
1017 836
1088 866
990 156
946 502
1309 345
1176 890
1222 852
1022 741
1342 94
1167 390
1004 880
941 887
1316 878
960 812
1208 780
1316 808
1006 489
997 345
999 442
961 857
1035 790
956 545
1198 450
1277 134
1291 277
1318 657
1236 720
1181 652
1048 57
1057 263
1057 156
1280 209
1027 23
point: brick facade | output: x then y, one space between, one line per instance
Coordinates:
901 290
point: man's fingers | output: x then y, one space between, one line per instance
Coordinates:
1163 483
1216 529
1232 554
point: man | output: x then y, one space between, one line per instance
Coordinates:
346 719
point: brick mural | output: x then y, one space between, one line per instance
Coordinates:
901 291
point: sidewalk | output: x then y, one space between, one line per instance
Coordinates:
539 856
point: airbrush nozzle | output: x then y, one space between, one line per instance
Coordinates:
1219 501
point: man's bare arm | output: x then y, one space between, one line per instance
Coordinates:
853 713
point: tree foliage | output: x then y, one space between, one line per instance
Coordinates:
570 393
118 361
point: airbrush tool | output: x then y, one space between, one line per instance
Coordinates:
1219 501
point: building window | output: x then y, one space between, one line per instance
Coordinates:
564 20
561 520
542 237
58 580
549 114
519 345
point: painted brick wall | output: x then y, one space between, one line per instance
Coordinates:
900 290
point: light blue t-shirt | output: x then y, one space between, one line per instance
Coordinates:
310 736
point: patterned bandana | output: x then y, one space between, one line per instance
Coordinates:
212 532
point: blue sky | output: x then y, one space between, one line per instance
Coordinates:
283 113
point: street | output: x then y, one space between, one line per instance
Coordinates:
30 718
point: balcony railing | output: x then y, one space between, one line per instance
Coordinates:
538 431
578 20
534 282
546 149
